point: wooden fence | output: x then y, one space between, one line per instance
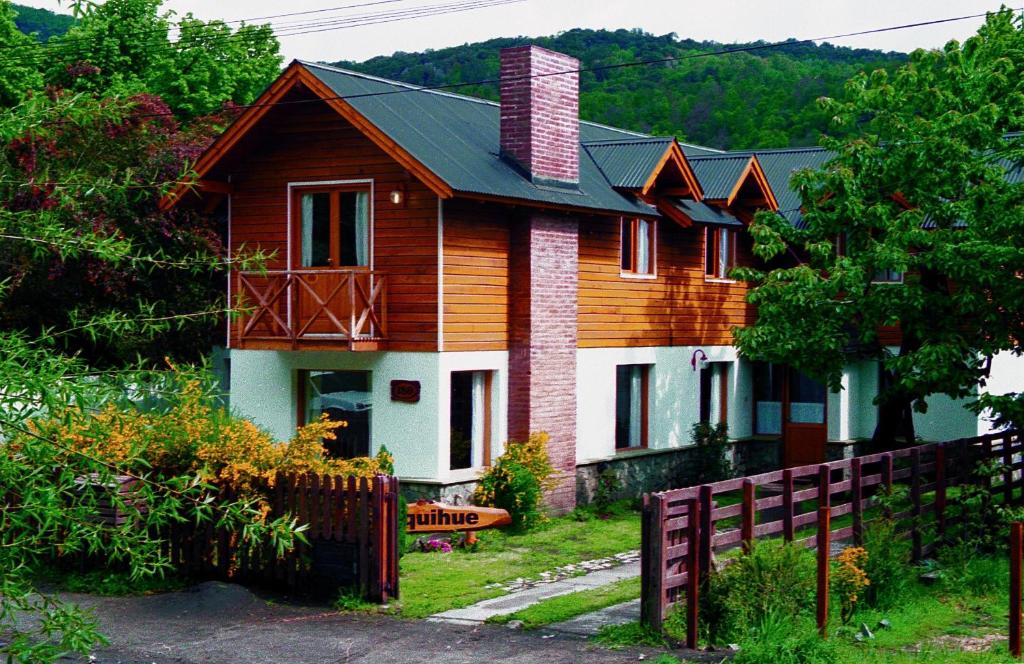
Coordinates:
353 540
684 529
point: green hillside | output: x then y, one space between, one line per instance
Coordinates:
43 22
730 101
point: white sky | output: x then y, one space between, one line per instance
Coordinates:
719 20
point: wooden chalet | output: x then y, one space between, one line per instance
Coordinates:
449 273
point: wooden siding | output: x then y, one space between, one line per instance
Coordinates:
312 143
476 276
678 307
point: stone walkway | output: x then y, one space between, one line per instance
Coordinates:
590 624
537 592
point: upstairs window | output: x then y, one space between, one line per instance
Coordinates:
334 227
888 277
638 238
719 252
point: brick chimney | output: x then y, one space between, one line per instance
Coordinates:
540 129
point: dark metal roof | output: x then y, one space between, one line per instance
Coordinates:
702 213
628 163
779 166
718 174
456 138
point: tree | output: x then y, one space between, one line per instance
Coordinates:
19 73
928 188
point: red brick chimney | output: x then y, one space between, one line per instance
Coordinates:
540 128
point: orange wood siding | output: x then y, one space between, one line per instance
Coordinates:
476 269
676 308
312 143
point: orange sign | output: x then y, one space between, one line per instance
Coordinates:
429 517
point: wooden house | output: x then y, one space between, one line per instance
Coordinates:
449 273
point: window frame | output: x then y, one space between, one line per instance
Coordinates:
652 248
712 247
295 192
645 408
301 400
887 278
486 423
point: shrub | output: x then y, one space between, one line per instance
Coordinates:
887 564
608 485
984 522
711 462
779 639
849 580
517 480
775 578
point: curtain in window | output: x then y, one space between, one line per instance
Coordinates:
635 408
723 252
643 246
362 228
307 230
479 409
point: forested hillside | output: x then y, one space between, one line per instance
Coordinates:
43 22
739 100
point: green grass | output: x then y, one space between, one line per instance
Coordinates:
575 604
433 582
111 583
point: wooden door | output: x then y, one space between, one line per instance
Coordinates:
804 420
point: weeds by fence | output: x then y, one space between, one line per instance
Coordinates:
684 529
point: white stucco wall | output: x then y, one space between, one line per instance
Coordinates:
1007 376
264 389
674 396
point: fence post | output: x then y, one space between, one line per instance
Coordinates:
824 486
1008 473
915 504
857 501
747 518
1016 541
707 532
652 570
940 491
824 545
787 505
887 481
694 573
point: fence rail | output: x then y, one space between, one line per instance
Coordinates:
683 529
353 539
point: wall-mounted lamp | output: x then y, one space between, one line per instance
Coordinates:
703 359
397 196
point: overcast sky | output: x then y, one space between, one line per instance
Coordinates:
718 20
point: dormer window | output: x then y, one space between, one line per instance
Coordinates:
719 252
638 240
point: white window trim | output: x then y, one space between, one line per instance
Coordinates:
653 274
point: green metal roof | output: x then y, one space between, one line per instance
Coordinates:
702 213
456 138
718 174
779 166
628 163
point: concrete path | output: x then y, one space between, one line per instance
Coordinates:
590 624
497 606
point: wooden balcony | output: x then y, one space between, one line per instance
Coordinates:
315 309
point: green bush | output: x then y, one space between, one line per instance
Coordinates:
779 639
608 485
965 571
517 481
775 578
711 455
887 566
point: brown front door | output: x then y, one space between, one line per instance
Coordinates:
332 242
804 428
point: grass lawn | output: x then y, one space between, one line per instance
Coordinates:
575 604
434 582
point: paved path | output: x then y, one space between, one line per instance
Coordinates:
590 624
497 606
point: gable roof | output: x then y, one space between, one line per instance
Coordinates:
638 163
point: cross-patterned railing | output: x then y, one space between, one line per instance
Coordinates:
311 305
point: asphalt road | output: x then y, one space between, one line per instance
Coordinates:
216 623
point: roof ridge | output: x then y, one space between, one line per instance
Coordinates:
632 139
730 155
444 93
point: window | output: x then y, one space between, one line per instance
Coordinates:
719 252
334 227
344 396
631 405
769 383
638 238
714 377
888 277
470 419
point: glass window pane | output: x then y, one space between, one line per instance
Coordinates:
806 399
724 248
461 450
627 245
629 391
768 398
643 246
343 396
355 228
316 230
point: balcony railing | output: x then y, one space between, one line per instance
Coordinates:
311 306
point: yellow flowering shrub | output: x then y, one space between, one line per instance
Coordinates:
517 480
849 579
194 436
